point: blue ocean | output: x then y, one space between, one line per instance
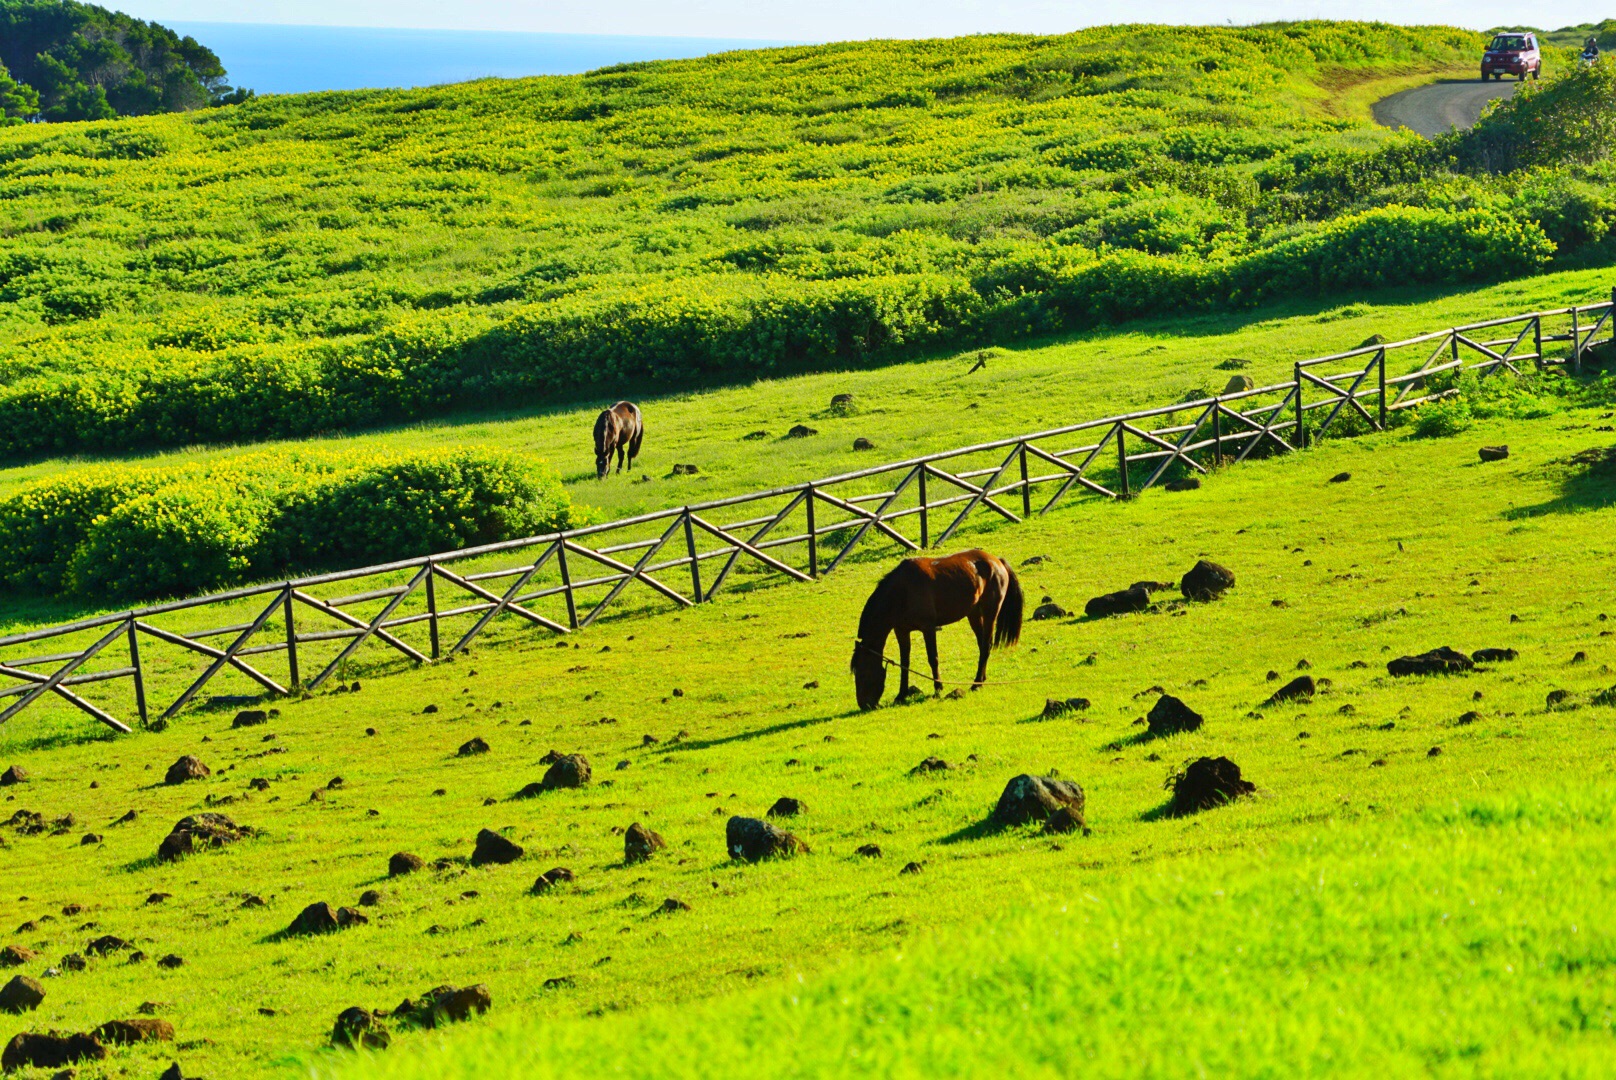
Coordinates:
294 59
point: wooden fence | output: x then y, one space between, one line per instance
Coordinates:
424 608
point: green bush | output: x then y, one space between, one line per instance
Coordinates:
1438 419
172 542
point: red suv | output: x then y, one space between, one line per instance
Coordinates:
1513 53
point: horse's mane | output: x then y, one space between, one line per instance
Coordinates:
876 619
603 423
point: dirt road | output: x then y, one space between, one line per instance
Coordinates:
1432 110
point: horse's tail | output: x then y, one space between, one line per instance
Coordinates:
1007 628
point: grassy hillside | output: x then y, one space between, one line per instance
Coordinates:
310 263
1423 546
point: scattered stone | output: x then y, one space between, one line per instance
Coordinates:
128 818
250 718
911 868
1579 657
105 944
551 878
1056 707
673 904
1441 661
753 839
1340 478
1435 751
1036 798
639 843
171 961
16 774
472 747
1556 697
1170 716
1048 610
1301 688
429 710
787 807
1064 821
862 443
494 848
1188 483
89 838
370 898
404 863
1238 384
1206 783
800 431
931 764
129 1032
317 918
356 1027
685 470
869 851
50 1051
1123 602
567 771
754 436
1206 581
21 994
1493 453
198 831
186 768
1493 656
16 956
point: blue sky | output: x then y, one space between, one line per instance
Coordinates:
829 20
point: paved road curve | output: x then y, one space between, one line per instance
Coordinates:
1432 110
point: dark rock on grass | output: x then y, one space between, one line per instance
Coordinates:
106 944
931 764
1493 656
1123 602
258 783
1056 707
357 1027
639 843
89 839
429 710
32 1049
1206 581
171 962
800 431
16 956
494 848
551 878
186 768
21 994
443 1004
1048 610
1340 478
250 718
567 771
1556 697
472 747
911 868
869 851
129 1032
673 904
531 791
199 831
404 863
1207 782
1036 798
1301 688
74 962
370 898
1440 661
1188 483
317 918
753 839
684 470
1064 821
16 774
1170 716
1493 453
861 443
787 807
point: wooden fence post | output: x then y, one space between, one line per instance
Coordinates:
140 676
1026 488
566 581
292 676
1381 359
813 536
1301 416
925 524
1217 432
1537 339
695 567
1122 461
1576 343
432 605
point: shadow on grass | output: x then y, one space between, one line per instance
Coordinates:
58 740
981 830
1590 485
757 733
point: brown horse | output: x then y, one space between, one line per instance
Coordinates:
923 594
618 429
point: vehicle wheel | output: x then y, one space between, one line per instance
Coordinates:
1537 73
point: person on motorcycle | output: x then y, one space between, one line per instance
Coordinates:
1590 48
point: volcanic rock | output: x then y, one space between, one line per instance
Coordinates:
1301 688
1493 656
551 878
787 807
932 764
1054 707
444 1003
800 431
1035 798
404 863
753 839
1441 661
101 946
171 961
1206 581
21 994
567 771
186 768
127 1032
16 774
1169 716
1064 821
1123 602
467 749
16 956
1188 483
639 842
494 848
1046 611
250 718
356 1027
673 904
317 918
1493 453
861 443
869 851
1206 783
1238 384
198 831
50 1051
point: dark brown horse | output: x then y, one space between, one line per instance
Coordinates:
618 429
923 594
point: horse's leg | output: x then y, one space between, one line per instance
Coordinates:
634 449
903 659
930 637
984 641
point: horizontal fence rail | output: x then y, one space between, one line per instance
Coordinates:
422 609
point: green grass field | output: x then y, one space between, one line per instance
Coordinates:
1113 948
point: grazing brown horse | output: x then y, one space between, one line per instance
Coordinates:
923 594
618 429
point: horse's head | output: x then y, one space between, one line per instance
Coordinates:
605 442
602 465
869 673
